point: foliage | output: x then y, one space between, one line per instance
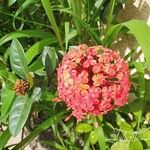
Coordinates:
34 36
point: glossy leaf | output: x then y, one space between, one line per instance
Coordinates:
17 59
19 113
36 95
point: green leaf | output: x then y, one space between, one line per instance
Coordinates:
37 65
37 48
4 138
144 134
139 29
83 128
19 113
24 33
135 144
11 2
111 34
43 126
101 137
36 95
86 142
141 80
48 9
7 100
54 144
83 24
111 11
17 59
93 138
49 58
147 93
121 145
69 34
147 117
125 128
7 76
21 9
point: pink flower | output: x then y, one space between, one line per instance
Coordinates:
92 81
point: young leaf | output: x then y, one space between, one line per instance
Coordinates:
83 128
19 113
93 138
17 59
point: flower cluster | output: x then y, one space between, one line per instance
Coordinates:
21 87
92 80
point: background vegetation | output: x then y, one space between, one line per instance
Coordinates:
34 35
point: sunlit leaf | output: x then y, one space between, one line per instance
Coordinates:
83 128
139 29
121 145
